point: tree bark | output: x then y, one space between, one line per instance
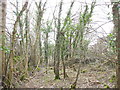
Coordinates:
3 4
63 55
27 31
57 46
116 20
46 49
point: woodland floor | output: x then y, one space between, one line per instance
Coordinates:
91 76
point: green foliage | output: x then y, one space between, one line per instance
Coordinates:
112 79
85 18
16 58
47 28
83 71
30 68
7 50
22 77
106 86
111 42
38 68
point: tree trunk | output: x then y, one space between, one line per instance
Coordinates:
82 56
3 4
27 31
118 61
57 56
38 44
116 19
63 54
46 49
1 32
57 46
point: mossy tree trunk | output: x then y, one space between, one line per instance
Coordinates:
3 4
116 20
57 44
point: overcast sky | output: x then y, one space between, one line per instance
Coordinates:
101 15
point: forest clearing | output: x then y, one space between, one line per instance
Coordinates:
59 44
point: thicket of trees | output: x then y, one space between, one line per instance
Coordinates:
28 46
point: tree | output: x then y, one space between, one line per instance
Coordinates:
46 30
12 53
27 33
38 43
84 19
116 20
64 39
57 45
2 32
61 42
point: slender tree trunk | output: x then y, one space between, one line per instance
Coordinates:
46 50
40 46
63 54
82 56
27 31
70 42
1 32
